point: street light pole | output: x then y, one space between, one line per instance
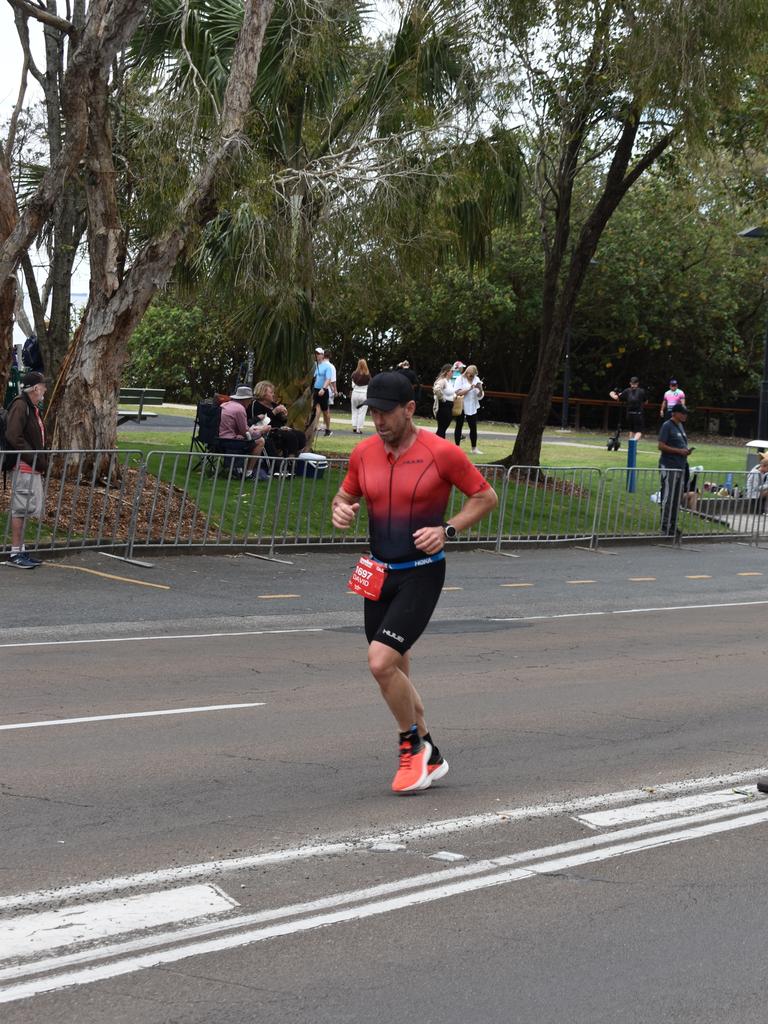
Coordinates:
762 410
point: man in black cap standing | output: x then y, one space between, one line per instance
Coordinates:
673 464
405 475
25 433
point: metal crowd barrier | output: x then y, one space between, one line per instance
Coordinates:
121 501
547 504
90 501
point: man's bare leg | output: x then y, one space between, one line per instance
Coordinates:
390 670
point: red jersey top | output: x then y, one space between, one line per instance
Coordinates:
407 493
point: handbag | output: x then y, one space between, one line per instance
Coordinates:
458 406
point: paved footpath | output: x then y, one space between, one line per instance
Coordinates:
196 818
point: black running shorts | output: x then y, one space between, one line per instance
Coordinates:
321 400
403 611
636 422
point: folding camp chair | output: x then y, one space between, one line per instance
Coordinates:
205 433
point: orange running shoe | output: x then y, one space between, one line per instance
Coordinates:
412 773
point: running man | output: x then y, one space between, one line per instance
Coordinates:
405 475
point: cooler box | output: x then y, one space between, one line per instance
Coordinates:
310 464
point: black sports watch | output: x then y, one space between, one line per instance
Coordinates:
451 533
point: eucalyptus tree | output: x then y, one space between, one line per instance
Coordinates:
608 86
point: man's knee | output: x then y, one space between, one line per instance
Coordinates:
382 659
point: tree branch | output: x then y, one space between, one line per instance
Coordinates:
40 14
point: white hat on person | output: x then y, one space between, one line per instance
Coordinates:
243 393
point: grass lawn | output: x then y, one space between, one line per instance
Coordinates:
582 448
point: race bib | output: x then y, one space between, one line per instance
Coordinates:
367 579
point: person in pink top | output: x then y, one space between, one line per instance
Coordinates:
236 437
674 396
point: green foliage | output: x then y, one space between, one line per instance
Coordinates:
184 350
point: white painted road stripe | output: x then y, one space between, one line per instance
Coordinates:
356 896
142 639
627 611
662 808
169 876
130 714
31 934
222 943
359 895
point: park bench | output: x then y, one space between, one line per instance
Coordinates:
138 397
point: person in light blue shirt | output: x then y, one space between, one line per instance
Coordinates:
321 383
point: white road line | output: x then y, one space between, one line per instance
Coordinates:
143 639
31 934
223 943
168 876
356 896
627 611
130 714
662 808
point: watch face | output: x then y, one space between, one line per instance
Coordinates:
450 532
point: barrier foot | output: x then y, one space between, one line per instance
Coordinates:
130 561
269 558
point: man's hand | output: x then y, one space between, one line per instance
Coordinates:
343 515
429 539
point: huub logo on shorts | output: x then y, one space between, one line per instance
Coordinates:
388 632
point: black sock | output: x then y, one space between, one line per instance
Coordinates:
412 736
435 756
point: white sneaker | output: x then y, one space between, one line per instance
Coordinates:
476 451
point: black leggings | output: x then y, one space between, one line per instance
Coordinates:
471 419
444 417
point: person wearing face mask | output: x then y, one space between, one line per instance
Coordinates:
25 434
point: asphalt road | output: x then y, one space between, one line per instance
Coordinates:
243 860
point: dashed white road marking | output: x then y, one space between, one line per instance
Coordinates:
31 934
663 808
129 714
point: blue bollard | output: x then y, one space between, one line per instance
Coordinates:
631 465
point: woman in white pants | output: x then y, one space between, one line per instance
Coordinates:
360 379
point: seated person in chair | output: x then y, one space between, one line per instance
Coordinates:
282 440
236 437
757 485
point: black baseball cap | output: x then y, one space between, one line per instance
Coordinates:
388 390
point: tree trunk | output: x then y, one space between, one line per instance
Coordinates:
8 218
83 407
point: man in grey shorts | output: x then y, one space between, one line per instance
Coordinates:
25 433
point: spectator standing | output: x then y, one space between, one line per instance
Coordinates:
407 371
237 438
634 398
457 369
673 465
405 476
672 397
360 379
444 394
757 485
470 388
281 439
25 433
321 384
